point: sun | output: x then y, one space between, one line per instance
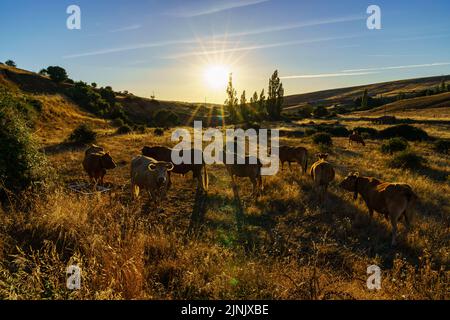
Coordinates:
216 76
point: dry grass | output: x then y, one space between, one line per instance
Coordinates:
281 246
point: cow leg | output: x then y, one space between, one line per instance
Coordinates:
290 168
255 186
408 220
394 229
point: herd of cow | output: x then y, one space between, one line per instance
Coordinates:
151 172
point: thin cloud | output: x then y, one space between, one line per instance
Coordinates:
128 48
411 66
327 75
291 26
215 38
254 47
127 28
215 8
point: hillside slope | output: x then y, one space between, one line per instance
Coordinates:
347 95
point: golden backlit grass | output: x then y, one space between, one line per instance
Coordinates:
281 246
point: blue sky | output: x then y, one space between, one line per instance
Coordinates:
166 46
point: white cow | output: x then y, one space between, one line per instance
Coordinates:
150 175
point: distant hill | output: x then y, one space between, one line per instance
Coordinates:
347 95
137 108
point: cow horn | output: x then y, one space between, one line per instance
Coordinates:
169 166
151 167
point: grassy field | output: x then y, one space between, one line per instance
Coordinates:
226 245
281 246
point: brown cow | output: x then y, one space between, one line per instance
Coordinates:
95 165
161 153
250 169
356 137
293 154
322 173
391 199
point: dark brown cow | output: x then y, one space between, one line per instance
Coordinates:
95 165
355 137
293 154
246 170
161 153
390 199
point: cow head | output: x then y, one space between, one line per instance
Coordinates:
160 169
107 162
322 156
350 183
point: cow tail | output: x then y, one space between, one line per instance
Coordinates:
205 179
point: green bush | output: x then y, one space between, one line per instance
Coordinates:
22 166
124 129
407 160
442 145
394 145
406 131
335 131
139 128
310 131
370 132
322 138
83 134
158 131
118 122
166 118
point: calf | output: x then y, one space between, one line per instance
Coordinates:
95 165
250 169
150 175
293 154
393 200
355 137
322 173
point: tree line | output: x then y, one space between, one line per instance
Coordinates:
258 107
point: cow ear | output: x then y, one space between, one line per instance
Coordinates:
169 166
356 174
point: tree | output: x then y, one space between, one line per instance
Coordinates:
275 97
232 101
43 72
57 74
443 86
365 100
93 85
244 108
10 63
262 104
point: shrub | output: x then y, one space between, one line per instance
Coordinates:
166 118
394 145
320 112
21 164
371 132
118 122
310 131
124 129
83 134
139 128
158 131
442 146
10 63
322 138
407 160
406 131
335 131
